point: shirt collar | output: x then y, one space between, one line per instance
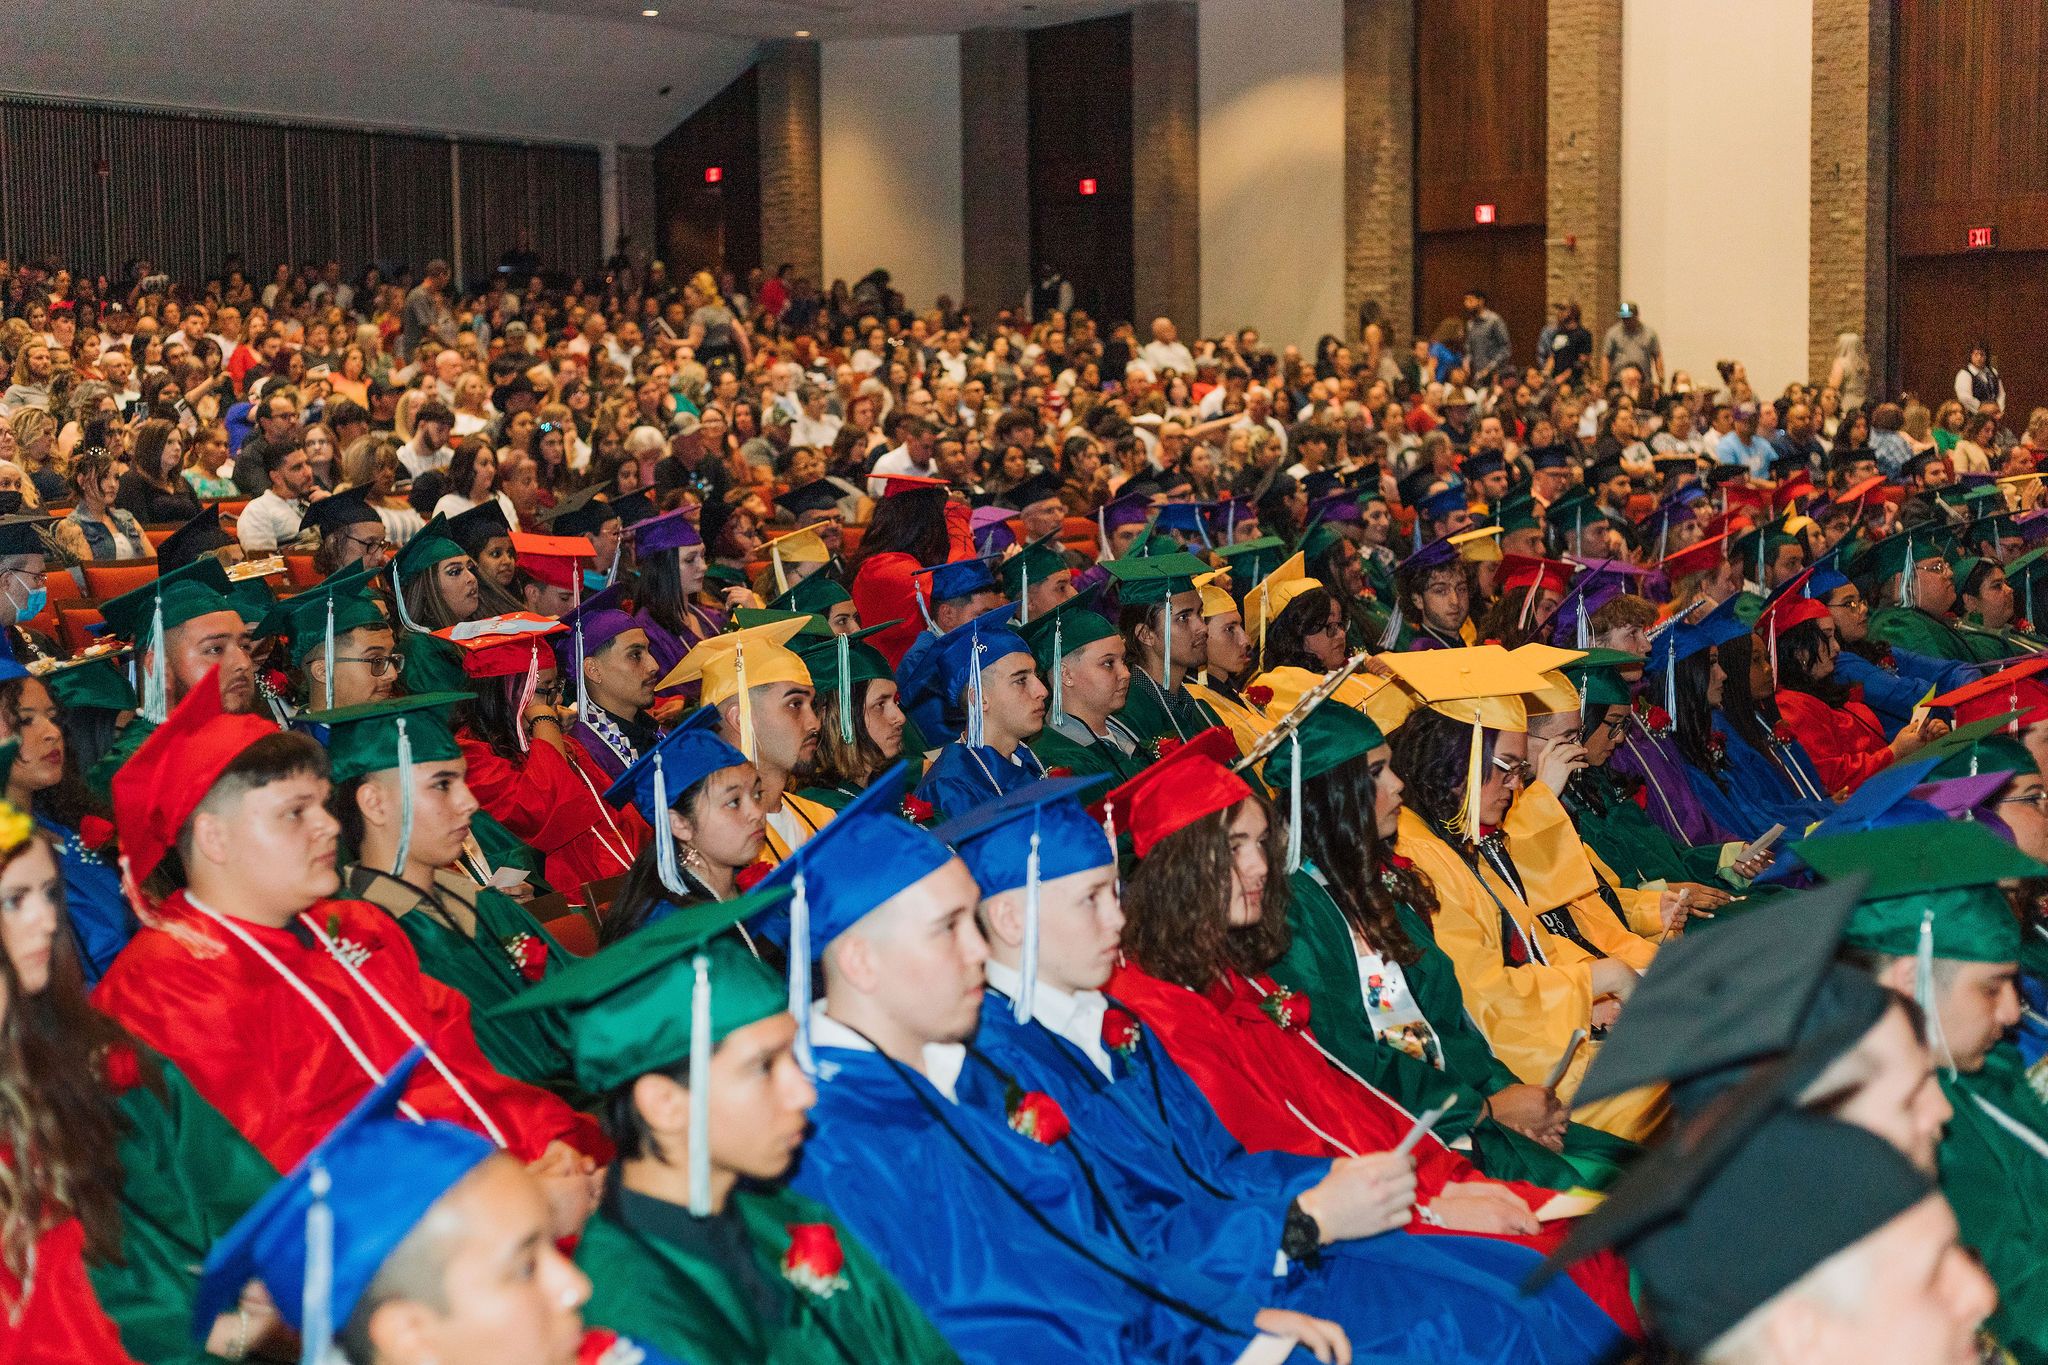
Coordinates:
943 1062
1075 1016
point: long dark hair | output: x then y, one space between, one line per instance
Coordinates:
661 591
911 523
1340 835
1177 904
1749 715
1798 650
68 802
1431 755
839 763
1692 728
492 715
1287 634
642 893
424 602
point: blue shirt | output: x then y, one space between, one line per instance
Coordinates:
1754 454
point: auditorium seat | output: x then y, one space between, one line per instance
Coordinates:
116 576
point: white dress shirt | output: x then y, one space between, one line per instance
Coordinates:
943 1062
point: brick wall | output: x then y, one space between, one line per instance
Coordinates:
995 170
1848 249
1379 160
792 224
1165 166
1584 193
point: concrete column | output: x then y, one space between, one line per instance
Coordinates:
995 169
1848 224
792 220
1166 224
1583 253
607 197
1379 161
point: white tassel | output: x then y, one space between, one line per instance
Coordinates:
1027 971
700 1090
666 864
1059 689
527 689
1924 993
328 655
405 813
739 667
398 601
1024 592
843 646
156 690
316 1310
800 973
1294 806
975 731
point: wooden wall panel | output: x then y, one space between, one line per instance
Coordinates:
1506 262
704 224
55 200
1942 304
1079 97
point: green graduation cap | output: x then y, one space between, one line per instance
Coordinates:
1597 675
847 660
1982 746
2025 573
1517 512
1330 737
814 623
1251 560
143 614
1932 893
1748 608
1149 582
94 685
670 993
316 617
726 575
1073 624
1755 548
379 736
1888 556
1152 545
814 596
434 544
1035 563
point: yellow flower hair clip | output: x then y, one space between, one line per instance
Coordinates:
15 827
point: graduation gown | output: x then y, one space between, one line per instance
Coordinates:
805 814
188 1176
884 589
962 778
672 1281
668 647
99 779
999 1239
101 920
1893 692
1322 962
1152 714
531 1045
1189 1191
1526 987
1997 1183
62 1322
553 804
1268 1084
1846 742
1247 725
1668 797
275 1068
1060 745
917 688
1922 632
1616 828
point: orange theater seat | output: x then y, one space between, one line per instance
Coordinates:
74 627
299 569
113 577
63 586
849 539
574 933
157 535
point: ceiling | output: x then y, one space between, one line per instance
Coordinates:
829 18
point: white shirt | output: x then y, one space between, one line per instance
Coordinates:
818 435
943 1062
1271 424
417 462
1076 1017
268 522
1169 355
896 461
453 505
954 367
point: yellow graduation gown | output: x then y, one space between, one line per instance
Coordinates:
1527 1009
1246 724
810 816
1558 869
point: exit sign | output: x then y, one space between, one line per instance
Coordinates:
713 174
1982 238
1484 213
1088 185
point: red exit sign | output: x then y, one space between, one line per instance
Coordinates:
1087 185
1485 213
1982 238
713 174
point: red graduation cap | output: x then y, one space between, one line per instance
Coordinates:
503 646
2009 689
1734 495
896 485
1697 557
1796 485
158 788
1527 571
551 559
1188 783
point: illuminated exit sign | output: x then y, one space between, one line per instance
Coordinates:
1982 238
1485 213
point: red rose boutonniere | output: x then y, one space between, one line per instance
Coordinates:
1717 747
1120 1032
1036 1115
815 1262
1060 771
121 1068
1655 719
1287 1008
529 955
1167 745
917 810
1258 694
749 877
1781 733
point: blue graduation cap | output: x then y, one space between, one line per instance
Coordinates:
1678 640
1441 504
318 1237
965 650
1035 834
1188 518
951 581
684 757
10 667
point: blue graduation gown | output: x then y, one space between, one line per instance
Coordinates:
1192 1195
101 920
961 778
999 1239
1893 693
916 687
1761 781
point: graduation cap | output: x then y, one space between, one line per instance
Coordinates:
1227 514
1073 624
199 536
906 485
1549 457
1982 746
1483 686
1701 556
801 546
1517 512
1596 673
1035 563
163 782
380 736
89 685
815 596
1187 518
1129 508
1038 488
954 581
1216 599
1035 834
331 516
844 660
1889 556
819 495
682 758
582 513
963 652
671 993
593 623
634 508
1443 503
479 526
27 533
669 531
318 1237
1480 545
2011 690
2025 572
317 617
1266 599
1251 560
1187 784
1154 582
1320 739
1478 465
1559 693
142 616
733 664
433 545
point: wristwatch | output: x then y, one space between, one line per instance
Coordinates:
1301 1238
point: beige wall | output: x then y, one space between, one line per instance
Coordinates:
1716 108
1272 169
890 119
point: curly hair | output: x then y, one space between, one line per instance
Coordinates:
1799 649
1341 836
1177 904
1431 752
1287 635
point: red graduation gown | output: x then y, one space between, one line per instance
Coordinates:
259 1052
1846 743
1251 1070
62 1322
557 810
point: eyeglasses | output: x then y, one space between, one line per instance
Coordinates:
378 664
2037 800
1853 604
1515 769
370 546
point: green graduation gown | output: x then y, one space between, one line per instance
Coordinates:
1997 1182
188 1177
1062 748
1633 845
666 1278
530 1045
1152 715
1919 632
1321 962
99 779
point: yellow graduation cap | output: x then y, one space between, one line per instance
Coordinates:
1383 701
730 665
1484 686
1216 601
796 547
1558 694
1480 545
1274 592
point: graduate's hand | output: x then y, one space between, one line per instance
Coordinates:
1752 868
572 1183
1362 1196
1378 667
1561 758
1531 1110
1682 901
1613 977
1605 1012
1483 1206
1325 1340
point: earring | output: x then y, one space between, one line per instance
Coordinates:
694 860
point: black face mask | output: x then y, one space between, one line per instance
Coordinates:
10 502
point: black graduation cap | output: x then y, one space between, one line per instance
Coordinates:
580 514
1550 457
1037 488
1724 997
474 529
1320 484
1603 471
350 507
819 495
199 536
1687 1215
711 519
634 508
24 534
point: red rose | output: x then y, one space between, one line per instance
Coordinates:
815 1263
120 1068
1258 694
1061 771
917 810
529 955
749 877
1037 1116
1287 1008
1119 1032
1659 719
1168 744
1781 733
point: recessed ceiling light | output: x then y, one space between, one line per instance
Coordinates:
650 14
803 33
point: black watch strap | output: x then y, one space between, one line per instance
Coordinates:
1301 1239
